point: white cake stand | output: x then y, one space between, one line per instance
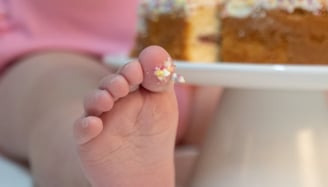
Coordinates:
271 128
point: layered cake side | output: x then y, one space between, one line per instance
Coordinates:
243 31
188 30
284 32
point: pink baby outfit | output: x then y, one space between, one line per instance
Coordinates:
91 26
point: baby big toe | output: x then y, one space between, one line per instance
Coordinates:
158 69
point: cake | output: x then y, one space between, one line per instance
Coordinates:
243 31
186 29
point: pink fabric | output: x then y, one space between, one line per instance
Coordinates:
96 26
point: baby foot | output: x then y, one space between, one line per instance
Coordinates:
128 136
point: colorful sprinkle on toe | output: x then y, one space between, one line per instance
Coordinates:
164 72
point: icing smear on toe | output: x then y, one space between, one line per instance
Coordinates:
164 72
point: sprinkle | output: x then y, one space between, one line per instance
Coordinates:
164 72
178 78
161 73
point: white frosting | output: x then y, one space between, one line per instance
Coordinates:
244 8
239 9
233 8
166 6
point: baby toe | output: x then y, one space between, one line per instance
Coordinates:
158 69
97 102
86 129
116 85
133 73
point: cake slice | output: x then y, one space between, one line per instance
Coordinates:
243 31
274 31
188 30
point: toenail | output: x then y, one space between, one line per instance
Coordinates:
119 87
116 78
100 94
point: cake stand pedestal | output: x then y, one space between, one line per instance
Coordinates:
266 138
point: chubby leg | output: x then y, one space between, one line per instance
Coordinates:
43 96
